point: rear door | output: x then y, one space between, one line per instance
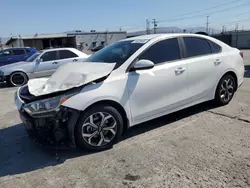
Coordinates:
67 56
203 60
47 66
19 55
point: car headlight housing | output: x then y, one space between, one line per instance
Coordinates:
47 106
1 73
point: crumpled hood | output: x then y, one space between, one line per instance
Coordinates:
69 76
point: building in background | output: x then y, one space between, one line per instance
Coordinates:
84 41
237 39
42 41
89 41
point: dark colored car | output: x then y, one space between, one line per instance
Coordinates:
13 55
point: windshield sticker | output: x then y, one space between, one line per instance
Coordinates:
141 41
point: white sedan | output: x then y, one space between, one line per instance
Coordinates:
129 82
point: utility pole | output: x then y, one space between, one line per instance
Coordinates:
236 30
1 46
207 25
147 26
155 25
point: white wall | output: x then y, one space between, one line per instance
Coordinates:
87 39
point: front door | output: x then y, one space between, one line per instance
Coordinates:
161 89
47 65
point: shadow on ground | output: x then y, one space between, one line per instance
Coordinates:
19 154
247 71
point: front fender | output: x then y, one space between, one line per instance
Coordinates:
92 94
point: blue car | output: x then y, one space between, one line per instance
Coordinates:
13 55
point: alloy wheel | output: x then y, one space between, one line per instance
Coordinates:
227 89
99 129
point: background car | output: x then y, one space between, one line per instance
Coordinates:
154 75
13 55
41 64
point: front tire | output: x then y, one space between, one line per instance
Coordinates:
99 128
18 79
225 90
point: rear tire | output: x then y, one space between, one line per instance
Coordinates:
18 79
99 128
225 90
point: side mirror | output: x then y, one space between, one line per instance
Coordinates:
143 64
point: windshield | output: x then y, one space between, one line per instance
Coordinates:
117 52
33 57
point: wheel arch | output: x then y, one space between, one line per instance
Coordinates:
229 72
118 107
17 71
232 73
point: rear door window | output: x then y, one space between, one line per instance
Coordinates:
196 46
65 54
163 51
49 56
19 52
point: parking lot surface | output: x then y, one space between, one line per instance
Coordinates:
201 146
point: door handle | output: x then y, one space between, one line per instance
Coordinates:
217 62
54 63
75 60
179 70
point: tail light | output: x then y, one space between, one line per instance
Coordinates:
241 54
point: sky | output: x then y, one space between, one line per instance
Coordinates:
26 17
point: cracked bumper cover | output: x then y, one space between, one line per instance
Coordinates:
53 129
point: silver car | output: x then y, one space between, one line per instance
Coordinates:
41 64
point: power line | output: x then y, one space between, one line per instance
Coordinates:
231 2
223 10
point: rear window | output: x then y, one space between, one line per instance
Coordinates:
65 54
27 51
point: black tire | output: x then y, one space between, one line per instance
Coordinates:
18 79
219 99
80 128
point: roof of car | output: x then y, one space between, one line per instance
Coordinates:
153 36
54 49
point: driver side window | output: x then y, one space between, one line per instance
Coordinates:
49 56
163 51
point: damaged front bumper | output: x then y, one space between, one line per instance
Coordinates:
53 128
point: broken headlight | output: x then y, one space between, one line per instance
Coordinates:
47 105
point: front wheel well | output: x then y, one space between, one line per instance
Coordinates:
118 107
